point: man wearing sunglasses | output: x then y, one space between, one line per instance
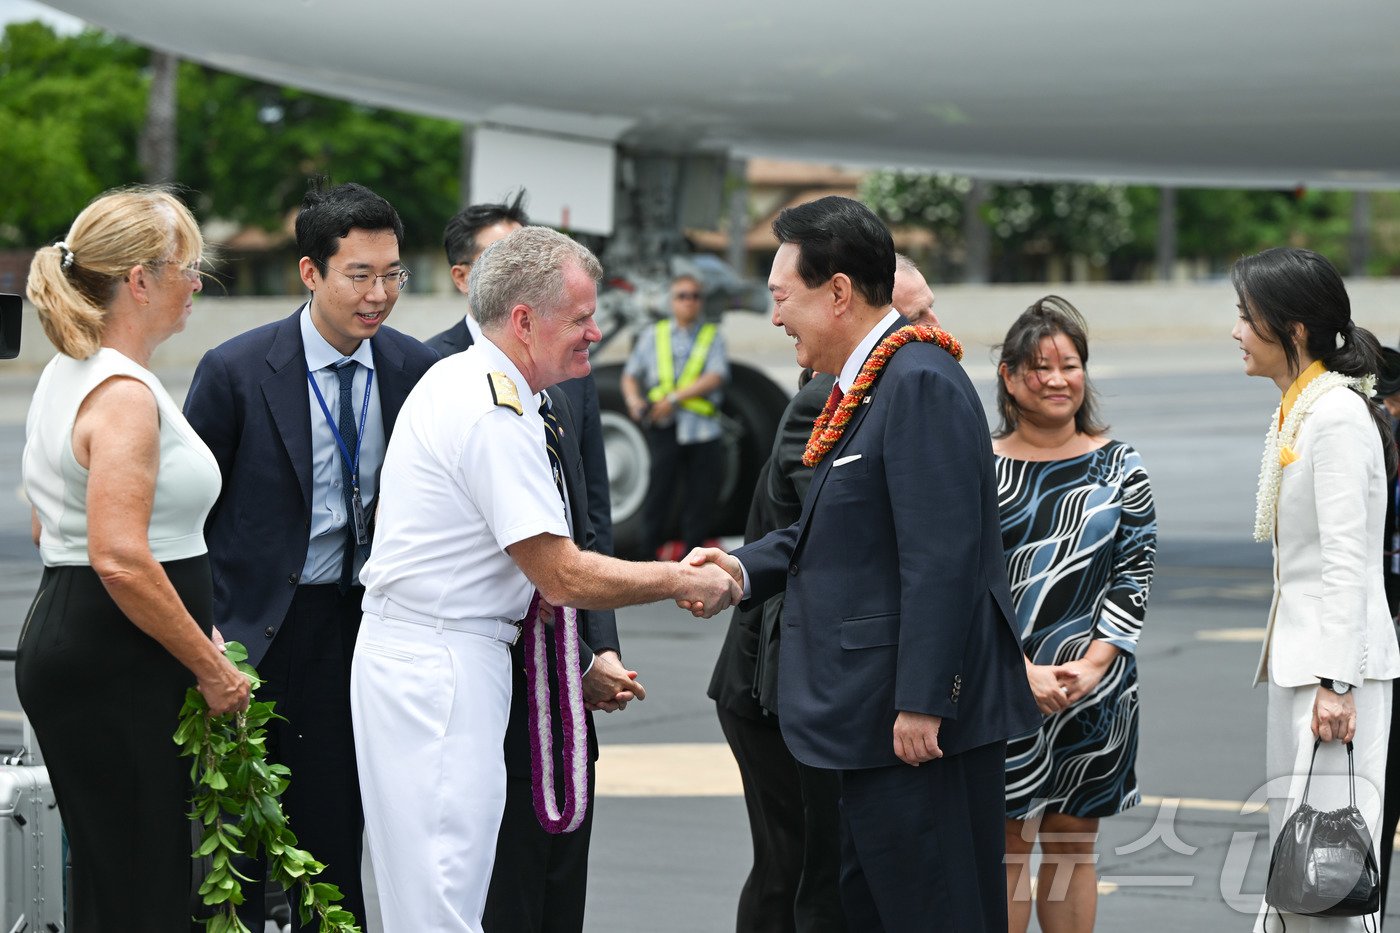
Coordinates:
672 386
298 414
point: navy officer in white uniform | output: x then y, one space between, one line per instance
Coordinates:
470 525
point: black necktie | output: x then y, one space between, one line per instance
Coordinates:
345 372
551 446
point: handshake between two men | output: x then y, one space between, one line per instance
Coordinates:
703 558
706 583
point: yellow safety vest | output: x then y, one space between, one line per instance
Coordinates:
694 365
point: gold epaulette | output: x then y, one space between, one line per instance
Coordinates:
504 393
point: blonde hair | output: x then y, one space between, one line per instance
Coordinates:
72 283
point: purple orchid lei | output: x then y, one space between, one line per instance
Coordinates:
570 683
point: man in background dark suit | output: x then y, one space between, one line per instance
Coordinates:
539 881
899 666
283 543
792 887
466 237
1388 392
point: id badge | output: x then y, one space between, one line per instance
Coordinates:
361 526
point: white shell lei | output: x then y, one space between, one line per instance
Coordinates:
1270 468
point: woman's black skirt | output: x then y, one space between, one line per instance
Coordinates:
104 699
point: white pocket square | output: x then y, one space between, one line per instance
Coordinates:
846 460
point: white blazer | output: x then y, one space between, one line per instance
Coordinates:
1329 616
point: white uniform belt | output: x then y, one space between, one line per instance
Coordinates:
386 608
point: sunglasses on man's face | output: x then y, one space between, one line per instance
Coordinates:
687 296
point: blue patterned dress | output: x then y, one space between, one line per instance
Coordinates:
1081 539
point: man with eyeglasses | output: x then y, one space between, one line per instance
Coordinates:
672 384
298 414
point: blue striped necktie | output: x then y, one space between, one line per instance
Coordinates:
551 445
345 372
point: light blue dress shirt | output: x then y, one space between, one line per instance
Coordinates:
641 365
325 550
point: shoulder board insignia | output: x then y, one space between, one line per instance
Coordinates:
503 392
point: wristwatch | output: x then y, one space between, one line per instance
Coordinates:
1339 687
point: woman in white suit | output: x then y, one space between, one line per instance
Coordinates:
1329 650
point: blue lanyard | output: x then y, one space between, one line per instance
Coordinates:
335 431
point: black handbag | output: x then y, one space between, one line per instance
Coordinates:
1323 864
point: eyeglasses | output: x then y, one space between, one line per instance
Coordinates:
191 270
687 296
364 281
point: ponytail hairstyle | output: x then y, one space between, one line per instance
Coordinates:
1284 286
72 282
1051 316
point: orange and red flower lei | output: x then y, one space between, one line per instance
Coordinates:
830 425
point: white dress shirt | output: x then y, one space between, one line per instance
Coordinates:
847 378
326 549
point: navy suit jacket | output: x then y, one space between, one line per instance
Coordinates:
897 596
598 628
250 402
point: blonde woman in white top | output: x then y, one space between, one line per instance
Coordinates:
1329 649
120 627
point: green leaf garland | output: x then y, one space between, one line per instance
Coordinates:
235 800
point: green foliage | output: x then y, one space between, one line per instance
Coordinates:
1385 216
235 800
248 148
932 201
72 109
1060 218
1025 220
1116 226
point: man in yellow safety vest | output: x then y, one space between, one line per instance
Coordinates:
672 385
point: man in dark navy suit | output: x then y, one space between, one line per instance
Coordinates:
792 808
539 881
899 666
298 414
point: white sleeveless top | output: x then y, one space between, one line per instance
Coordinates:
187 484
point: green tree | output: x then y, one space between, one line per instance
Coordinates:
72 109
1116 226
1220 225
1028 222
249 147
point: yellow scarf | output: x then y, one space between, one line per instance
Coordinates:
1286 454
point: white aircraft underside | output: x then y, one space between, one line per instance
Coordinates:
1192 92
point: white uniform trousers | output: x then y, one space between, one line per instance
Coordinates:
1290 744
430 710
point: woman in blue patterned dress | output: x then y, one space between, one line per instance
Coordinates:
1080 534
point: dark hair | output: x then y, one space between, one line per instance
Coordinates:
329 214
1051 316
459 236
1284 286
835 234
